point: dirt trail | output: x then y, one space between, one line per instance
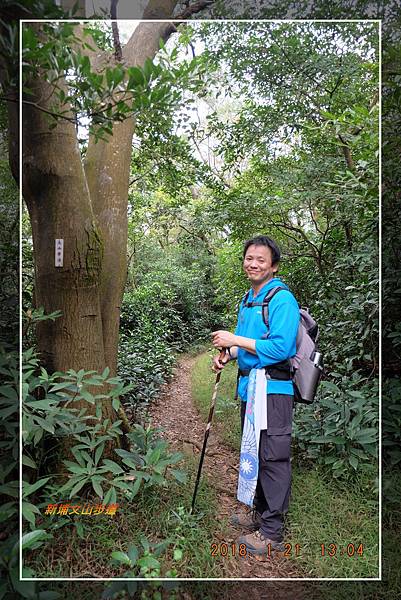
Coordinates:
220 462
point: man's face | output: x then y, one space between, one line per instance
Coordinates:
258 264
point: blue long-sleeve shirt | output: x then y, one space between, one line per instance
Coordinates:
272 345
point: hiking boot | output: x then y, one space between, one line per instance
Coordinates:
257 543
249 519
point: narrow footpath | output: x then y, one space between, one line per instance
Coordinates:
175 412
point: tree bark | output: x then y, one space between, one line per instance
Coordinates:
107 168
86 206
59 206
68 5
159 9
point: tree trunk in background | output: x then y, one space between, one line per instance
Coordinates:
159 9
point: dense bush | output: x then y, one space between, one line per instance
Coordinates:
391 414
55 408
341 430
229 281
146 356
171 308
91 473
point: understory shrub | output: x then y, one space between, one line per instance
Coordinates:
159 319
391 419
61 413
341 429
64 423
146 353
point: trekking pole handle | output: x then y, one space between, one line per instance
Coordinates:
222 354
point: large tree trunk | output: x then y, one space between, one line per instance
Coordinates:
58 201
107 168
87 208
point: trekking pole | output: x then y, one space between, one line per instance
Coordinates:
207 430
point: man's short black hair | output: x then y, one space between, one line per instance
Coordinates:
263 240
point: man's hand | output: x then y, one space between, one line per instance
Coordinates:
220 361
223 339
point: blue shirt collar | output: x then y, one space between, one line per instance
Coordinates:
268 286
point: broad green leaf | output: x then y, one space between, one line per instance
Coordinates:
181 476
112 466
121 557
133 554
97 487
28 462
33 537
28 489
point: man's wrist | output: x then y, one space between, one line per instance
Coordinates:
247 344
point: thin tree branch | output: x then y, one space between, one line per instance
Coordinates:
118 53
298 69
290 254
194 8
197 237
347 153
41 108
313 218
300 231
142 175
57 115
336 86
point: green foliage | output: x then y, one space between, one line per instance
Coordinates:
391 421
31 317
142 561
327 511
148 460
28 267
8 243
106 96
9 434
151 590
56 408
296 150
307 129
145 358
145 465
341 431
229 279
391 219
170 308
184 525
49 399
56 414
12 586
9 549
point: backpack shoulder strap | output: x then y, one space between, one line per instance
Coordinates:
265 304
243 301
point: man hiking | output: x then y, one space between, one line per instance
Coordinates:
262 353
